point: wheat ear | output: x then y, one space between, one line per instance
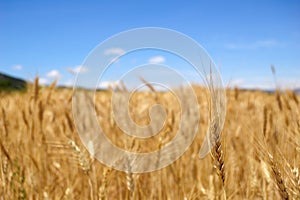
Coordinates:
218 157
104 183
278 178
84 163
275 170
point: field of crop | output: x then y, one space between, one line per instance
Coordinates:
42 157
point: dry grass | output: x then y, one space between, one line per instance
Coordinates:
258 156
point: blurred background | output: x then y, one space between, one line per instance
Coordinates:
51 39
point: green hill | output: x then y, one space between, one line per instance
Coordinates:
11 83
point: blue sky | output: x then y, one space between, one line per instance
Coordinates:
52 38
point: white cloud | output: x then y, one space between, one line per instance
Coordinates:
288 83
54 74
78 69
114 52
69 83
17 67
43 81
266 43
253 45
108 84
157 59
266 83
235 83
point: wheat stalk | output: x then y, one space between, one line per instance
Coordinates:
5 130
36 89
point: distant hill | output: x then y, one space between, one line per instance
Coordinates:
11 83
297 91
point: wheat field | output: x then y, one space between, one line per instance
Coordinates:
42 157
